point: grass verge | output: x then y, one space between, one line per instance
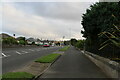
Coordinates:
17 76
115 59
65 48
47 59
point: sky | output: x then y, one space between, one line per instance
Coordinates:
44 20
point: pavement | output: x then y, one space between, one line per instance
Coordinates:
73 64
16 58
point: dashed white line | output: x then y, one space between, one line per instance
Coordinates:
38 50
24 51
82 51
31 50
46 48
18 52
4 55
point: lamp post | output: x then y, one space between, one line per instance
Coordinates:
63 39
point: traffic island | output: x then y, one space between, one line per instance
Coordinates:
48 58
65 48
36 68
32 70
17 76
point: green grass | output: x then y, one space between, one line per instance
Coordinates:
115 59
48 58
65 48
17 76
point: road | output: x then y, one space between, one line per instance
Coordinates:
73 64
15 58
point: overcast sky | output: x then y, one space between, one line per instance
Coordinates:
46 20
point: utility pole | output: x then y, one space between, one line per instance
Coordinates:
63 38
70 34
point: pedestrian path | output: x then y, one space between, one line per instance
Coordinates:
73 64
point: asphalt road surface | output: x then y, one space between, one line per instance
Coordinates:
73 64
15 58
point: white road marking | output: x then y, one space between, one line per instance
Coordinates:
38 50
18 52
4 55
31 50
82 51
24 51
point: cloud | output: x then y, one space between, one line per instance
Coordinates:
44 20
57 10
49 0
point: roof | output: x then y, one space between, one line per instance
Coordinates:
4 35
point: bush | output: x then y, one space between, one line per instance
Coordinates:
102 18
9 41
22 42
80 44
73 42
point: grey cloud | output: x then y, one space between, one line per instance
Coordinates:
57 10
44 20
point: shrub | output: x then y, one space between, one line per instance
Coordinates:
9 41
80 44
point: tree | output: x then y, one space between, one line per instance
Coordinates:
66 42
9 41
80 44
98 19
22 40
113 35
73 42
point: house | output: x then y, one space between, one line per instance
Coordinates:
4 35
35 41
30 40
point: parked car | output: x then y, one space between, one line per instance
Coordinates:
46 45
40 44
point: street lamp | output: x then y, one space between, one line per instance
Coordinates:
63 39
